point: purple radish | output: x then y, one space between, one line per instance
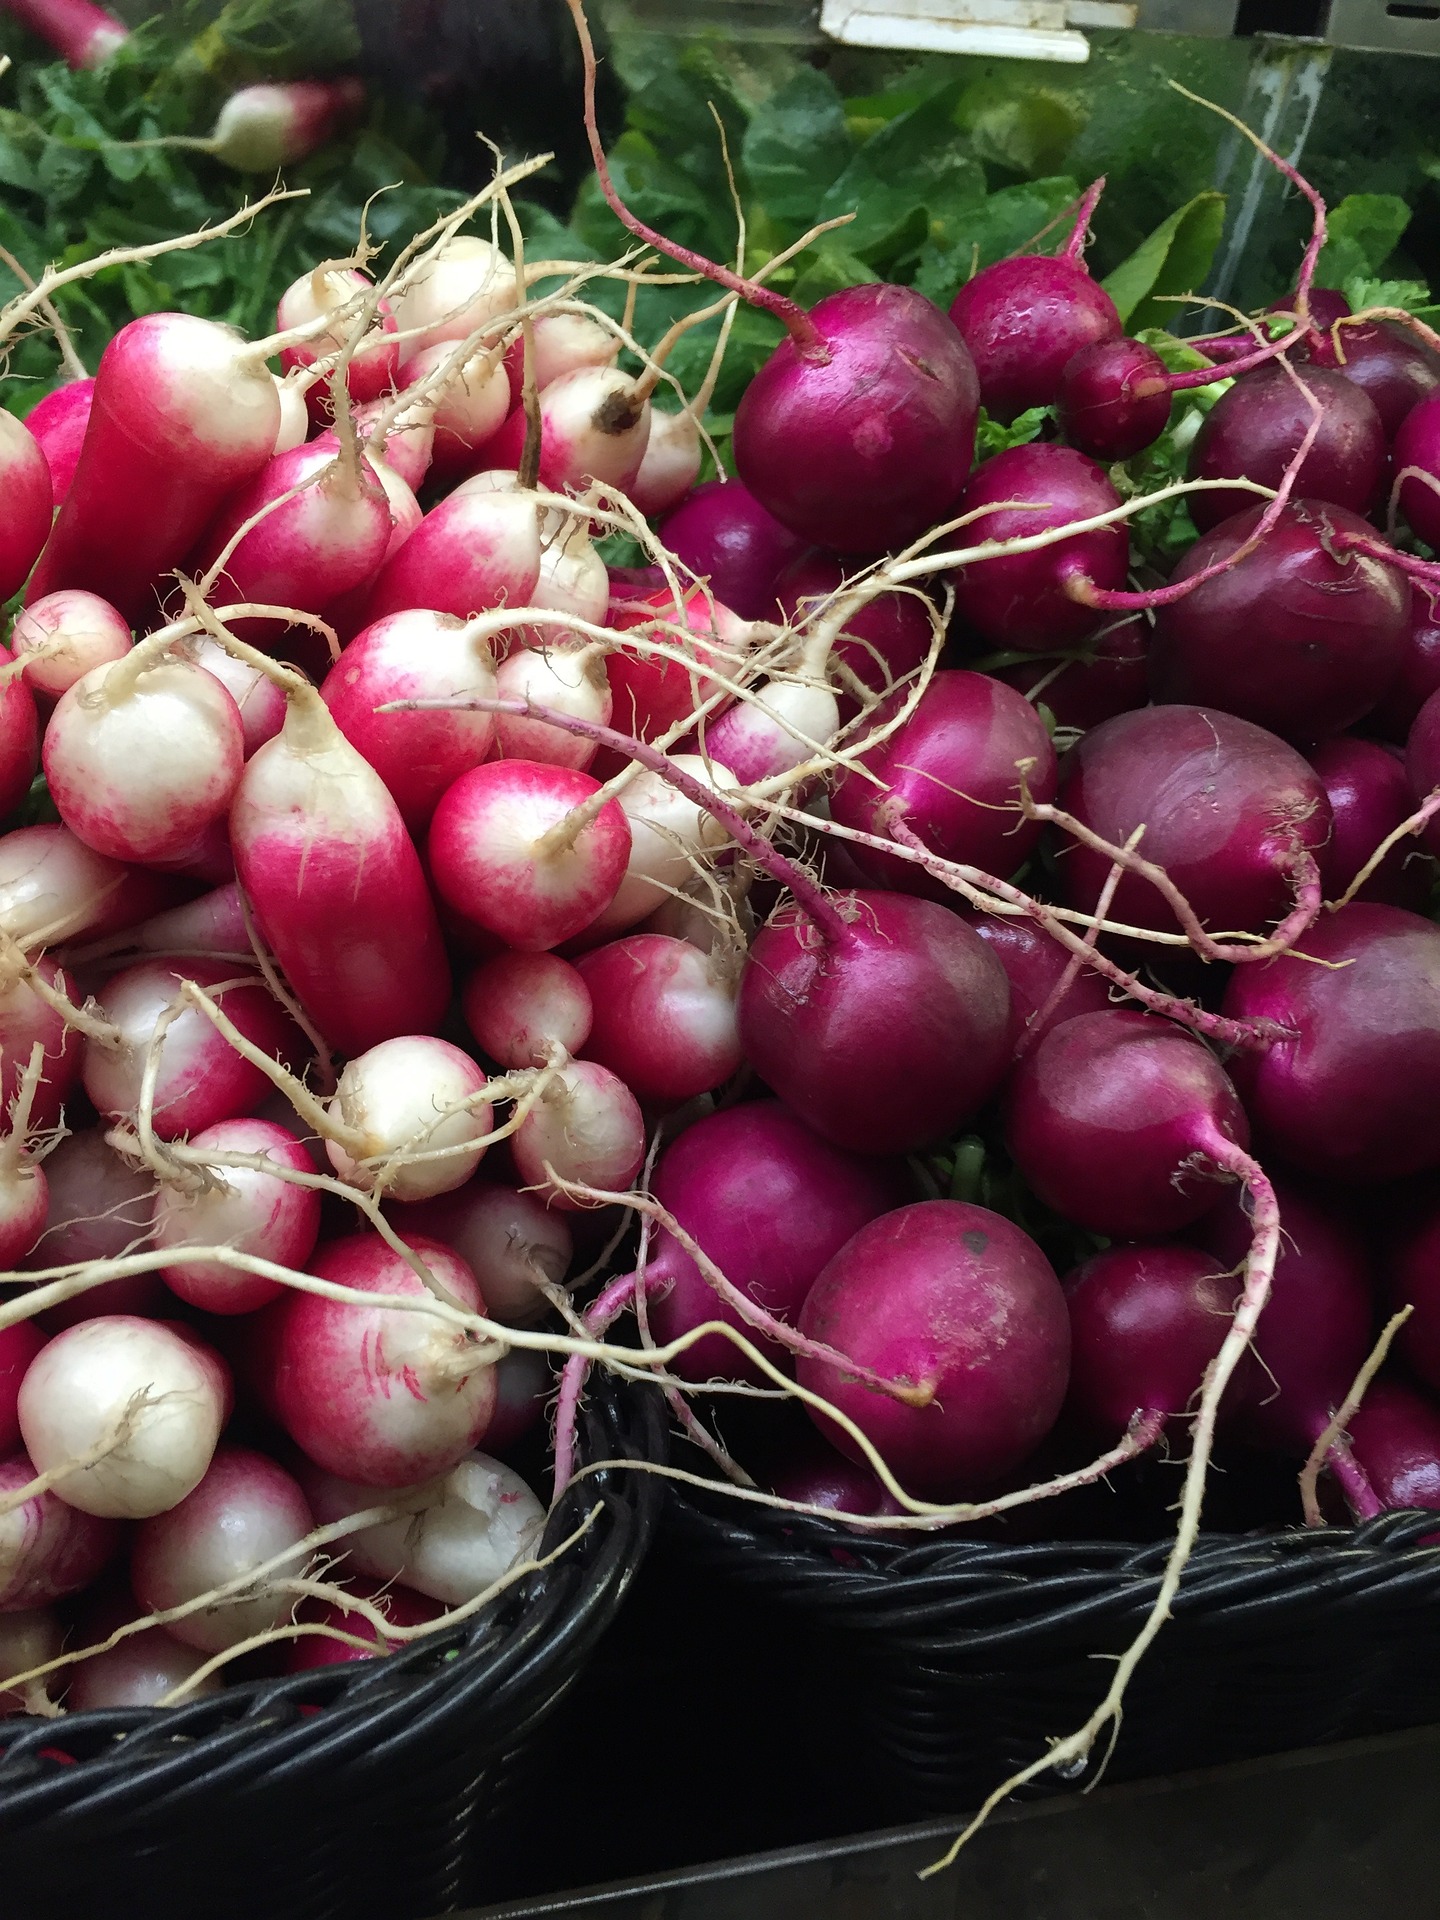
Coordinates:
884 642
722 534
1301 635
770 1203
813 1474
1418 675
1024 319
1255 430
1037 601
1125 1125
1234 816
1034 964
58 424
1110 677
1422 763
1417 445
1369 797
1112 400
1356 1095
1395 1437
951 767
1385 361
663 1016
1413 1279
957 1299
29 500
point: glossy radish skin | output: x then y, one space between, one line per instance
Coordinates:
510 1240
1023 320
1417 444
594 426
140 764
671 465
19 738
1224 805
882 643
1418 675
1387 361
1422 763
174 1389
454 289
475 550
952 769
1369 797
1034 963
62 636
260 702
865 449
55 888
100 1207
1357 1096
245 1512
668 835
1111 1117
29 500
336 885
401 1607
375 362
58 425
570 680
139 1672
412 1093
953 1297
26 1017
587 1127
1255 430
722 534
47 1548
1109 676
253 1211
183 414
1395 1436
1112 400
490 861
561 342
212 923
19 1345
519 1005
417 655
1298 636
664 1018
815 1475
1026 600
770 1203
651 694
469 408
384 1392
202 1080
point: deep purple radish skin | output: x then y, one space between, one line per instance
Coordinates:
1418 675
1034 963
1422 763
1024 319
1369 797
886 640
1110 677
1389 364
1112 400
1395 1436
722 534
958 1299
1417 444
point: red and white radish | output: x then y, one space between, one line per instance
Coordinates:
520 1005
19 735
55 888
62 636
469 407
139 1672
331 289
29 500
247 1208
664 1016
585 1127
58 424
478 548
452 290
670 835
571 679
48 1548
412 1109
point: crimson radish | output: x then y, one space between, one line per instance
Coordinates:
585 1128
1417 448
884 642
274 124
19 735
478 548
1256 429
519 1005
1388 362
29 500
1112 398
259 701
48 1547
653 693
415 1118
1418 675
1034 964
247 1208
664 1016
374 362
61 636
1395 1437
1413 1279
58 424
511 1241
722 534
1369 798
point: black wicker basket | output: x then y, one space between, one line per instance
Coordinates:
383 1788
955 1661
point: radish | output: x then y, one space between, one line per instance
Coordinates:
478 548
1422 762
245 1512
594 428
409 656
404 448
653 694
775 729
58 425
24 1194
469 408
1256 429
1125 1125
400 1607
212 923
29 501
722 534
136 1405
813 1474
957 1299
511 1241
1034 965
1356 1095
47 1548
139 1672
1389 363
460 1538
664 1016
525 1385
1369 798
246 1208
413 1095
560 342
585 1128
100 1208
1301 635
391 1394
452 291
29 1639
572 679
274 124
1112 398
1418 675
29 1018
951 768
670 836
19 1345
143 754
520 1005
374 363
19 735
671 465
294 426
1046 599
336 885
770 1203
184 412
886 641
514 849
573 578
53 888
1109 676
1234 816
61 636
1413 1268
1395 1437
201 1078
259 701
1417 447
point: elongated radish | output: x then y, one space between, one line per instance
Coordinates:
479 548
519 1005
54 888
452 291
585 1127
275 123
58 424
664 1019
246 1208
48 1548
511 1241
570 678
19 736
412 1107
260 703
131 1409
29 500
373 365
62 636
670 836
347 612
469 408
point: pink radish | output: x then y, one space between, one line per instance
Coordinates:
585 1127
184 412
24 1194
572 679
19 736
722 534
594 427
274 124
261 704
141 1401
399 1606
561 343
469 407
48 1548
63 635
405 449
100 1208
27 1017
336 885
143 754
19 1345
390 1394
452 290
374 364
512 1242
245 1512
512 848
202 1079
519 1005
671 465
29 501
1024 319
54 888
479 548
248 1209
664 1016
58 424
417 655
670 835
411 1095
139 1672
347 614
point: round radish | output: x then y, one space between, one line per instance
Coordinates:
570 679
1369 797
100 1208
29 500
468 409
452 291
1023 320
260 702
722 534
560 342
373 365
19 1345
510 1241
1034 963
400 1607
1112 399
55 888
1255 430
884 642
61 636
671 465
139 1672
410 1096
48 1548
594 428
31 1638
478 548
585 1127
669 836
664 1016
519 1005
1109 677
253 1211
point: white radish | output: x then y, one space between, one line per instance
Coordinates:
452 291
571 680
100 1208
260 702
413 1096
139 1672
586 1127
671 465
670 835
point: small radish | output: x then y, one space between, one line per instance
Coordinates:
54 888
261 704
451 291
585 1127
1034 964
29 501
573 578
246 1208
1422 763
58 424
142 1402
63 635
413 1095
139 1672
652 693
1386 361
775 730
519 1005
274 124
594 427
404 449
1369 798
392 1394
1418 675
374 364
399 1606
664 1016
1112 399
560 342
671 465
572 679
100 1208
883 643
19 1345
1412 1274
19 734
670 836
512 1242
245 1512
722 534
47 1548
1256 429
525 1385
469 408
28 1018
1417 447
1395 1438
478 548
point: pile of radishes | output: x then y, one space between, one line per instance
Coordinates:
421 885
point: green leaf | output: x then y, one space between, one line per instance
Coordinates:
991 436
1014 124
1363 231
796 146
828 269
1175 258
1007 222
914 180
